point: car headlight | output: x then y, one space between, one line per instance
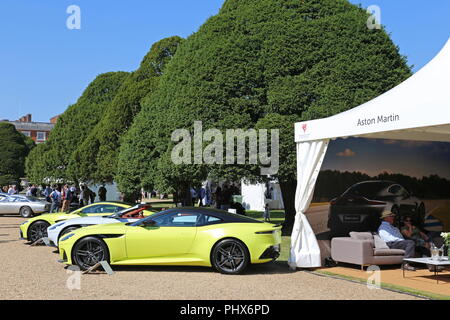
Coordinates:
70 235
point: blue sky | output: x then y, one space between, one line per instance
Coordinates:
45 66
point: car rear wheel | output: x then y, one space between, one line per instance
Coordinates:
89 251
38 230
26 212
230 256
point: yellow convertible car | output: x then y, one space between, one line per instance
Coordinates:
179 236
36 228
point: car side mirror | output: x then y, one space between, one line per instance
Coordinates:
148 223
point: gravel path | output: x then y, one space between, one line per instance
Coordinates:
34 273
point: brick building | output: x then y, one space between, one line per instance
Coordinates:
38 131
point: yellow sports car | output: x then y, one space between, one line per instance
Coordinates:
36 228
179 236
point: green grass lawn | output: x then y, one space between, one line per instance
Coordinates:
276 216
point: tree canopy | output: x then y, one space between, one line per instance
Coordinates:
51 159
260 61
14 148
96 157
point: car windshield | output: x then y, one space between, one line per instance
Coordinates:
150 217
33 199
118 214
369 189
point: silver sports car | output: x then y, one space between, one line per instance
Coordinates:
25 206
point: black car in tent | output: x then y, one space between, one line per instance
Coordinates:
359 208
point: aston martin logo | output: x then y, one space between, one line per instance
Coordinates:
305 127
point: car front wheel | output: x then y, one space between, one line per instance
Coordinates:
89 251
38 230
66 231
230 256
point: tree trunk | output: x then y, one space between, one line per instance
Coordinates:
288 193
184 195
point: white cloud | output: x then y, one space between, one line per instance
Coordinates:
346 153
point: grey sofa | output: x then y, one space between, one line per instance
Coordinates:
363 249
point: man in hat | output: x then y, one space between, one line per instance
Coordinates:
394 238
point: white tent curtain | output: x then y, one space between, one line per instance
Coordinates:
305 251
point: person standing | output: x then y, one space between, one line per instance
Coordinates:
81 197
92 195
102 193
34 190
63 196
226 198
47 192
218 197
66 199
55 196
267 213
193 195
12 190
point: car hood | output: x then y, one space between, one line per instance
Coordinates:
115 228
54 217
89 220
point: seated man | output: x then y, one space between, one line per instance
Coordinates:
394 238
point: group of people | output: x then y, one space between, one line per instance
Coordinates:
61 197
408 238
11 189
223 197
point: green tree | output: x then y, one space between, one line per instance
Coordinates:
96 158
14 148
36 164
51 160
270 62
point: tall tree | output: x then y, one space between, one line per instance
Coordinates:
267 62
14 148
51 160
96 157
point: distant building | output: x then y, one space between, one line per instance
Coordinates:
38 131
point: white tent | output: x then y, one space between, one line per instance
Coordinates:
417 109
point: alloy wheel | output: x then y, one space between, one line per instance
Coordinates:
89 254
230 257
38 231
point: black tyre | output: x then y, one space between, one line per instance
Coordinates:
38 230
87 252
67 230
26 212
230 256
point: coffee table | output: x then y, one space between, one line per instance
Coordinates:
445 261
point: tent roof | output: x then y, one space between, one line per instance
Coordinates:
417 109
